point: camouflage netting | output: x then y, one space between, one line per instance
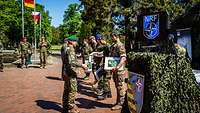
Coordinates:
165 91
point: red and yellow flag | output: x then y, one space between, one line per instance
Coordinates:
29 3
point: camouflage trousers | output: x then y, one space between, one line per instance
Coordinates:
119 82
1 61
43 57
24 59
69 94
104 84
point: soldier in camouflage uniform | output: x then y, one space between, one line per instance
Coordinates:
71 65
43 52
87 50
103 84
25 50
1 57
93 43
63 53
118 50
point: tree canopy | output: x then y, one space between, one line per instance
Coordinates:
88 18
72 20
11 22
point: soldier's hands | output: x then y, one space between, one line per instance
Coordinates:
84 66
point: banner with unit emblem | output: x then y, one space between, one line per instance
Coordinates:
135 92
151 26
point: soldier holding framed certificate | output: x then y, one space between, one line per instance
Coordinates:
117 50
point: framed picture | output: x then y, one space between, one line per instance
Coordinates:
112 62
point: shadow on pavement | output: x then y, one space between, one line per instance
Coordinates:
53 78
91 104
49 105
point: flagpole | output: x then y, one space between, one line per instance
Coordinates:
22 18
40 24
35 28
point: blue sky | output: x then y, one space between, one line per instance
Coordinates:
56 9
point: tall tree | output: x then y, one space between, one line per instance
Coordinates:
11 22
97 16
72 20
57 38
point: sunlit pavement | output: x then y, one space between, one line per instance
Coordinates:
36 90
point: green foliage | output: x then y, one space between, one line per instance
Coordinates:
97 17
72 20
165 91
56 39
11 22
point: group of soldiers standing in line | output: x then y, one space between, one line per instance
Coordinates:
102 49
24 51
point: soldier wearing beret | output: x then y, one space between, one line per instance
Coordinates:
104 90
70 86
86 51
118 50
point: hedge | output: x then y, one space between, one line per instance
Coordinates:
169 88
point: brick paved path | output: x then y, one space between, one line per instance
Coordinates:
35 90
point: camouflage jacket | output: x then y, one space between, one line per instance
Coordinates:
117 50
63 51
94 47
25 47
71 62
86 52
43 46
106 49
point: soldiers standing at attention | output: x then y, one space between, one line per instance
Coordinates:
103 84
118 50
70 86
43 52
25 50
1 56
87 50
